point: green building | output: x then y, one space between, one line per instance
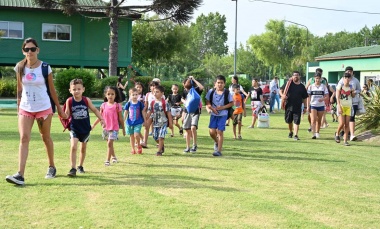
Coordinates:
364 60
81 40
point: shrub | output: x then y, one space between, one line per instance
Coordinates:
63 78
8 87
98 90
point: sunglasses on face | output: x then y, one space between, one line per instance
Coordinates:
33 49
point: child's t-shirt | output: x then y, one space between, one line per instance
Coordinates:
218 100
111 115
345 95
134 113
255 93
158 113
238 102
173 99
80 122
316 93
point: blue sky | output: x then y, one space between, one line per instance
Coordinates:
253 15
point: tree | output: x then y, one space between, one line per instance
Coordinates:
209 35
156 43
178 11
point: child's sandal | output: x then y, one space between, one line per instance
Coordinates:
107 163
139 150
114 160
133 152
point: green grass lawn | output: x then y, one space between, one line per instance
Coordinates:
263 181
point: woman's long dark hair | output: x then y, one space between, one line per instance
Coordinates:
21 65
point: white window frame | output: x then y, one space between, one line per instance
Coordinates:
56 32
22 30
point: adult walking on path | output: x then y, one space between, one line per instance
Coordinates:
33 103
294 97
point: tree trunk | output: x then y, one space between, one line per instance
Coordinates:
114 37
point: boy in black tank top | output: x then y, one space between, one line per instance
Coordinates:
77 108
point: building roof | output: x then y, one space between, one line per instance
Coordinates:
353 53
88 6
31 4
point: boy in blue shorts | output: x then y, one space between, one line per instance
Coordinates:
134 114
218 101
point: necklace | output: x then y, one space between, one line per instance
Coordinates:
31 65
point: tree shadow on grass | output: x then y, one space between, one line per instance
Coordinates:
179 166
167 181
244 154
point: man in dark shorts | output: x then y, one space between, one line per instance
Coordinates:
296 95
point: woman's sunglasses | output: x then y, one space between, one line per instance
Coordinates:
33 49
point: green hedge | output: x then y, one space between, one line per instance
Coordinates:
63 78
8 87
145 80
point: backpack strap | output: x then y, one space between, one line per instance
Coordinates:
45 73
70 104
212 95
226 95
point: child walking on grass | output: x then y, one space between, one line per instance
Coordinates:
239 110
111 113
174 101
134 114
160 116
216 106
77 107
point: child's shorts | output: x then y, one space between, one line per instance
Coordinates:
218 122
237 118
81 137
256 106
159 132
346 111
110 134
176 112
190 120
134 129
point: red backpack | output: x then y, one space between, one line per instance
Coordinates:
163 106
67 122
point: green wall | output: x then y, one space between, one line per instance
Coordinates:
89 43
333 69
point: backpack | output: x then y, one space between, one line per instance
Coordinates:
45 73
67 122
192 100
226 101
163 106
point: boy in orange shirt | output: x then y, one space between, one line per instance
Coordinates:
239 110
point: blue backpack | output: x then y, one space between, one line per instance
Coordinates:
45 73
192 100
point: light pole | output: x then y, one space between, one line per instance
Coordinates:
235 36
307 30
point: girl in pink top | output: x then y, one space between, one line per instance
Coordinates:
111 113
